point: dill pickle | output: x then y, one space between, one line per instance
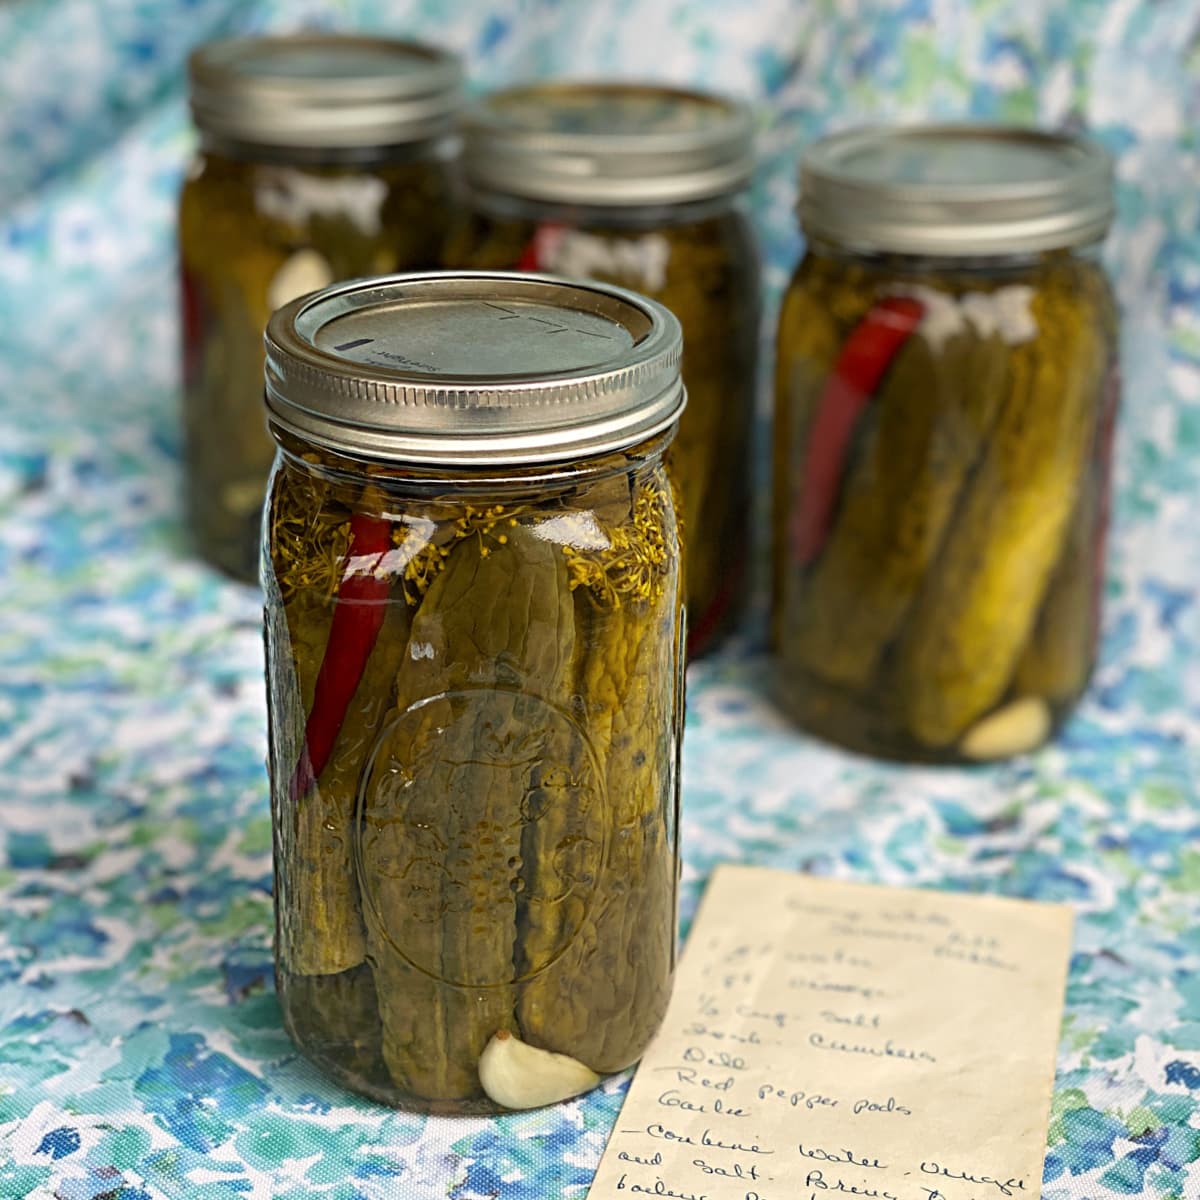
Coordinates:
465 773
603 999
959 567
932 416
957 657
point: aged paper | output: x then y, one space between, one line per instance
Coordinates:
828 1040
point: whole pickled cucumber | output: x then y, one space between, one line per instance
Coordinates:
1058 658
318 919
1058 655
970 624
601 1001
444 807
321 926
560 851
931 419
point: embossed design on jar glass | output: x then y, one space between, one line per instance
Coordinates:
481 815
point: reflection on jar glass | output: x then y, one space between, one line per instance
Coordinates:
640 186
474 638
946 393
321 158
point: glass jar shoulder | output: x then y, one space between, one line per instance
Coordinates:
614 515
1018 299
663 253
361 216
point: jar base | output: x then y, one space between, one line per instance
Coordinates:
846 720
330 1021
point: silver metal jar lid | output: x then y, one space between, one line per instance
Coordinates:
608 144
473 368
958 190
320 91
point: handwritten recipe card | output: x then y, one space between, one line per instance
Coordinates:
828 1040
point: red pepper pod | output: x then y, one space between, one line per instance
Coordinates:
357 616
860 367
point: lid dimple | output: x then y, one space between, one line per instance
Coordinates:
959 190
473 367
608 144
323 91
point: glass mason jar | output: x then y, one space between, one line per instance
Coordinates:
640 186
946 393
474 648
321 157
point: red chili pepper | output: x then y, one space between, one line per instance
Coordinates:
193 319
546 234
529 257
357 616
864 358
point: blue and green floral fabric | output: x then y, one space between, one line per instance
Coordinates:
141 1053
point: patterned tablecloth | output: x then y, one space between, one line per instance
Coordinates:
141 1053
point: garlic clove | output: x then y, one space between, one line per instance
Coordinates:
1013 729
517 1075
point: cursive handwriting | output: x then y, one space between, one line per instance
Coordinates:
699 1029
1008 1187
737 1171
838 958
889 1106
816 1179
689 1076
659 1189
719 1058
889 1050
672 1099
808 984
892 935
655 1161
845 1156
974 957
779 1019
706 1139
814 1100
859 1020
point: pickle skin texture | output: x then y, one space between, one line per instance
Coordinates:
327 933
516 1075
1017 727
898 499
1058 656
978 607
500 620
603 999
